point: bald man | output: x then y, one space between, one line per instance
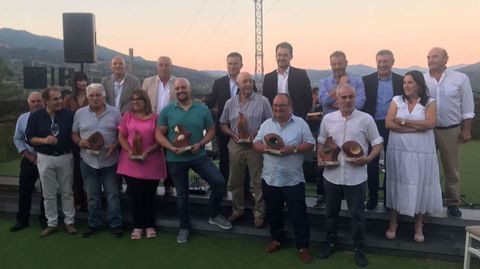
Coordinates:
120 85
28 167
347 180
452 92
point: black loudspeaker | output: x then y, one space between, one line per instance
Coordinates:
34 77
79 38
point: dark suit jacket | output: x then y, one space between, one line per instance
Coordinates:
298 86
371 89
131 83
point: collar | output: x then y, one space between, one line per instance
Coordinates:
286 72
385 79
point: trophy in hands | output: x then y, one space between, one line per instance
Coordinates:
242 125
330 152
353 150
96 142
182 139
274 142
137 147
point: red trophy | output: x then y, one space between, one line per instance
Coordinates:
330 152
181 139
274 142
137 147
96 142
353 150
242 125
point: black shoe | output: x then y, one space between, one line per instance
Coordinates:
43 221
90 232
360 258
18 226
453 211
117 231
326 251
371 203
320 202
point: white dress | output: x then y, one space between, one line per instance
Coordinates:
413 185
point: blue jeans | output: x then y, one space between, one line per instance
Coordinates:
204 167
94 179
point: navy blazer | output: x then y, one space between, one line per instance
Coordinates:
371 90
298 86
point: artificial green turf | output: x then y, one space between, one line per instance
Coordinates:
25 249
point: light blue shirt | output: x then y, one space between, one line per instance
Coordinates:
19 138
384 97
326 85
280 171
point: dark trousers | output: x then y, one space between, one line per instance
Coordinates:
28 177
372 167
294 198
355 196
205 168
79 196
224 162
142 194
168 182
320 180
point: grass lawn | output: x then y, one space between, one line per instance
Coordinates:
25 249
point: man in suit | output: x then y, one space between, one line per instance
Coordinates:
223 89
290 80
380 88
161 92
119 85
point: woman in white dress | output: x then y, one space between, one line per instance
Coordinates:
413 187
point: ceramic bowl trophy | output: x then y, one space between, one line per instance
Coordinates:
242 125
182 139
353 150
96 142
330 153
274 142
137 153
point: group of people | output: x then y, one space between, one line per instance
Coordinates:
118 130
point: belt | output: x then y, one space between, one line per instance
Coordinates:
447 127
56 153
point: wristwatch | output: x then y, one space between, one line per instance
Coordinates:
403 122
295 150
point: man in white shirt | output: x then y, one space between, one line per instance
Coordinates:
349 177
455 111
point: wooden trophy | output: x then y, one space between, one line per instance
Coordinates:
137 147
353 150
182 139
330 152
274 142
242 125
96 142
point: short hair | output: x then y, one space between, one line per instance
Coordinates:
338 53
442 50
289 100
96 86
33 93
384 52
46 92
284 45
166 58
235 54
142 94
344 85
185 79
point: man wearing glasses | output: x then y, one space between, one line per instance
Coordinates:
48 131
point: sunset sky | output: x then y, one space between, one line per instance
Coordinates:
200 33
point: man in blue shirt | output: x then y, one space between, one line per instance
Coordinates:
380 87
328 86
28 167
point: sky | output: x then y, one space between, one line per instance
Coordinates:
200 33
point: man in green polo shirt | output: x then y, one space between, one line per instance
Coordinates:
194 118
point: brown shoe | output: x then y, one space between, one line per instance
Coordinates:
273 246
48 231
259 222
70 229
305 255
235 217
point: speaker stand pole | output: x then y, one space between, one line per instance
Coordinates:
81 67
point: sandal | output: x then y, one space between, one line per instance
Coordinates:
150 233
136 234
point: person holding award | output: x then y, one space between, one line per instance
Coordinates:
141 162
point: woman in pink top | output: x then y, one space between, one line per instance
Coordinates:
143 169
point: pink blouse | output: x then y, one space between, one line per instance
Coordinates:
153 167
